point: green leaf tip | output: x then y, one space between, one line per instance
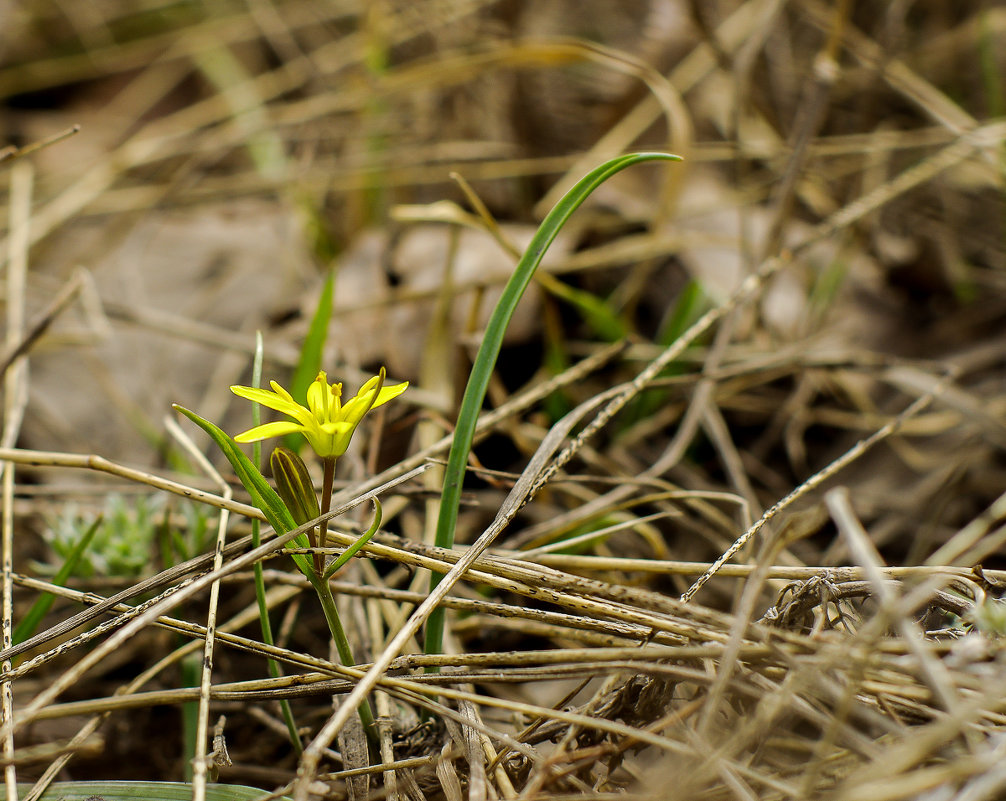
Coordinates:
353 549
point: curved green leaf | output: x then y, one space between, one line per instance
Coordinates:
353 549
262 495
485 361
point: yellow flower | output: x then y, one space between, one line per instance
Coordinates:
326 422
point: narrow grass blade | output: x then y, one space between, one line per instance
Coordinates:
29 623
314 343
485 361
260 598
691 304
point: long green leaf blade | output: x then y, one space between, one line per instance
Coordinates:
142 791
314 343
28 625
260 598
485 360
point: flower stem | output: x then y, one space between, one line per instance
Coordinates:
326 497
319 557
324 590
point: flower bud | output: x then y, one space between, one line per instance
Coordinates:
294 486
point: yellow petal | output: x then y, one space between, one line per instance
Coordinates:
338 427
279 390
278 429
354 410
317 397
390 393
274 400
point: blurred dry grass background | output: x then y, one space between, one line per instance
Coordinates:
230 154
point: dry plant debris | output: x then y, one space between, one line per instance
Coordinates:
775 573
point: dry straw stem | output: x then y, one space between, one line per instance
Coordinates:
200 762
614 665
812 483
10 152
15 402
866 555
